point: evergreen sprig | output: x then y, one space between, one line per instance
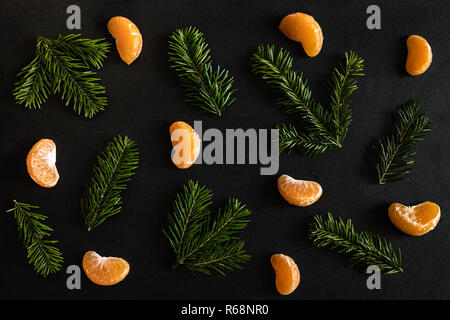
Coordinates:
322 128
396 152
42 253
203 242
207 87
62 66
342 84
364 248
92 51
116 164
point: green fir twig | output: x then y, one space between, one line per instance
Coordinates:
320 129
203 242
62 66
363 248
206 87
92 52
396 152
42 253
103 196
342 84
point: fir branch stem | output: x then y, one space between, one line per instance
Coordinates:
197 264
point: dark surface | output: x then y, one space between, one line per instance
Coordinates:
145 98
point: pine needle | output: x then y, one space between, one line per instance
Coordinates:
62 66
203 242
116 164
205 87
364 248
396 152
322 128
42 253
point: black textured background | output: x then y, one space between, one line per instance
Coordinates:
145 98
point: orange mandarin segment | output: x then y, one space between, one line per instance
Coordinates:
303 28
287 275
41 163
128 38
419 55
104 271
299 192
415 220
186 144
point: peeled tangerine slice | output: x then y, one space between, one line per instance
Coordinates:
186 144
104 271
287 275
41 160
128 38
416 220
303 28
419 55
300 193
